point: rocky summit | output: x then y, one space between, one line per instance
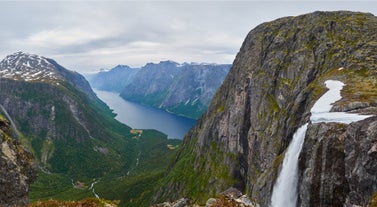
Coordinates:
33 68
276 78
28 67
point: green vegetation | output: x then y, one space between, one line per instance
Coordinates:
76 142
56 186
89 202
190 110
132 187
373 200
189 173
193 111
152 99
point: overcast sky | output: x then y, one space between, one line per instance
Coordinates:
89 35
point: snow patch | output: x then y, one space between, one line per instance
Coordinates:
321 109
27 67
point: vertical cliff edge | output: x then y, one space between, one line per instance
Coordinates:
17 169
275 79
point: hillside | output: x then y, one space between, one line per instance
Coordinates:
183 89
73 135
276 78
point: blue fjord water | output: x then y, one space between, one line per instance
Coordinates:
142 117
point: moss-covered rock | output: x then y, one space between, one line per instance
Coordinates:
17 169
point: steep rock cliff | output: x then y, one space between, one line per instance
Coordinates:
338 164
274 81
17 169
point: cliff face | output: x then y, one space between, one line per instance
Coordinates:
274 81
338 164
17 170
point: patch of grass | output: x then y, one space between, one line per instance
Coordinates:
373 200
88 202
56 186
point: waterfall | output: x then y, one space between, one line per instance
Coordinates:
284 193
13 125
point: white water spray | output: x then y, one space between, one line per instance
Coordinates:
284 193
13 125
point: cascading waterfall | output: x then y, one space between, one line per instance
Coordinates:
284 193
13 125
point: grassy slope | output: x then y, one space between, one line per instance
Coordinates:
135 188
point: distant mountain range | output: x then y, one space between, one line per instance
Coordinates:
114 80
184 89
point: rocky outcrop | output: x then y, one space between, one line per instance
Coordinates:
338 164
274 81
17 169
232 197
361 161
322 164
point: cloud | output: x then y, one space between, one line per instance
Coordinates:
62 37
89 35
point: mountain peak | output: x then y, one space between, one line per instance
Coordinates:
28 67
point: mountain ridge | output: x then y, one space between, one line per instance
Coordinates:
183 89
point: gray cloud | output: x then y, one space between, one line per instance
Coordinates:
88 35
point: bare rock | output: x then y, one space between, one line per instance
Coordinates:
17 170
338 164
211 202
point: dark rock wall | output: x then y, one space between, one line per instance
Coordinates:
338 164
17 170
322 181
361 160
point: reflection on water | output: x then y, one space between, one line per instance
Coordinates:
142 117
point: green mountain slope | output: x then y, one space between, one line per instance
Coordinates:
73 134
